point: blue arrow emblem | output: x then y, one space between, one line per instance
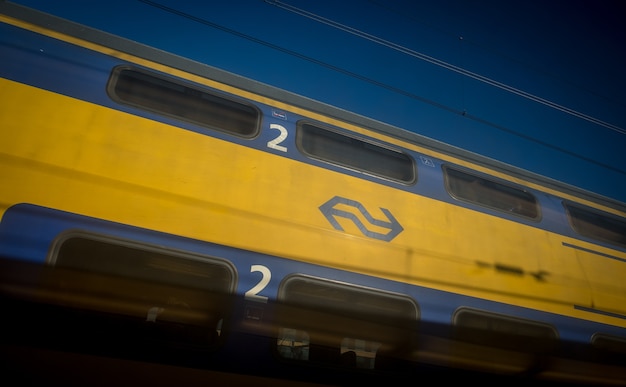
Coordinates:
330 212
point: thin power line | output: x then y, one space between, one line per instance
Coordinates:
445 65
501 54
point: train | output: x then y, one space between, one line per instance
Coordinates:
160 209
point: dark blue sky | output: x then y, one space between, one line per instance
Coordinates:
536 84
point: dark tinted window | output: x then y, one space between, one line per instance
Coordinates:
185 102
609 343
116 257
119 292
339 323
475 189
354 153
498 330
346 299
597 225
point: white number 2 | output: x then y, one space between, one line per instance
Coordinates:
253 294
281 137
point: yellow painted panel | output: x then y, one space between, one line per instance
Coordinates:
605 271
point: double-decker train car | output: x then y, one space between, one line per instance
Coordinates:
159 209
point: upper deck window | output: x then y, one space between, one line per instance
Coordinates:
488 193
168 97
350 152
596 224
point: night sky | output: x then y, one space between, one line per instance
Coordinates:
535 84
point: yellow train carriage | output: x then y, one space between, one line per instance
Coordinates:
89 159
133 147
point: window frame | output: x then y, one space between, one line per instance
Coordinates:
600 219
303 129
503 331
59 242
187 93
502 189
343 308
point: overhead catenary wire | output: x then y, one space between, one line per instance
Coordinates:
446 65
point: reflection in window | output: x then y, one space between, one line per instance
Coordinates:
359 353
337 323
131 291
293 344
472 188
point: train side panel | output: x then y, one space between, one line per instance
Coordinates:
84 171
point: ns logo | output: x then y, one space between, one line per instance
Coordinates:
339 207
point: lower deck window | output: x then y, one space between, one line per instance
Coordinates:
337 323
502 331
146 292
130 259
609 343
